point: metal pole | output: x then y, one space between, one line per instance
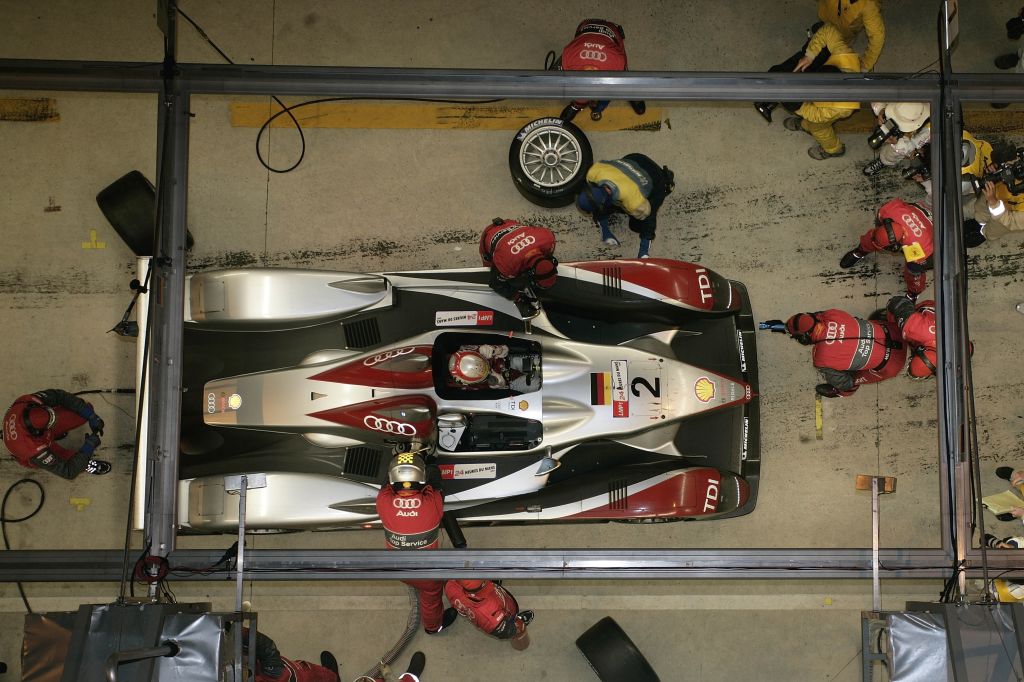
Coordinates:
239 571
876 593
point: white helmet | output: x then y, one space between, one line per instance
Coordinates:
407 471
468 367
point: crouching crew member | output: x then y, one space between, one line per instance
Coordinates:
598 45
634 185
847 350
521 258
271 666
410 507
491 608
36 422
900 227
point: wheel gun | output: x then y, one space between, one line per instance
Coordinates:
773 325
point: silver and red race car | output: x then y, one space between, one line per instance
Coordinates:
632 396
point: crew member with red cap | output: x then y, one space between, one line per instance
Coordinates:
521 258
598 45
491 608
36 421
900 227
410 507
848 351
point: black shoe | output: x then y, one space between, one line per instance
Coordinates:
873 168
850 258
569 113
526 616
639 106
449 617
1006 61
766 109
793 123
989 541
1007 516
1005 473
595 115
98 467
999 105
827 391
328 661
417 664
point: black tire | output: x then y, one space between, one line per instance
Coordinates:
612 654
129 205
549 159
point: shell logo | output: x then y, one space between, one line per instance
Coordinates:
234 401
704 388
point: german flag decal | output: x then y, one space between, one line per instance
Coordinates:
600 388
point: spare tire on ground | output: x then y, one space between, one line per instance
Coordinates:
612 654
549 159
129 205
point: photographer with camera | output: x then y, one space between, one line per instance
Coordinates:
1014 30
999 208
903 132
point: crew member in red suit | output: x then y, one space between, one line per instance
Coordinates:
491 608
900 227
521 258
598 45
34 424
410 507
271 666
847 350
917 326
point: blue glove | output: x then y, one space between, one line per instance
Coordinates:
92 441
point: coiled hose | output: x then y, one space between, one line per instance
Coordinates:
411 626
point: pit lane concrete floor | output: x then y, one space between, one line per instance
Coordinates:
749 203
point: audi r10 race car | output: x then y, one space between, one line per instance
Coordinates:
631 396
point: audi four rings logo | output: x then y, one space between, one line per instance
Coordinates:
381 357
593 55
211 403
522 242
376 423
407 502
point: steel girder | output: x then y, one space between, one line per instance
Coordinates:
188 79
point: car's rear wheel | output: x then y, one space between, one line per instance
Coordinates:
612 654
549 159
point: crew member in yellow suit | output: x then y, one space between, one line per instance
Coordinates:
818 118
853 16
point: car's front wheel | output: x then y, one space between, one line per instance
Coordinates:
549 159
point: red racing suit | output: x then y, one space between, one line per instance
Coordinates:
299 671
518 255
413 521
917 326
43 451
912 225
490 607
850 351
598 45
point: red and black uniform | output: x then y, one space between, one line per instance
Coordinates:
917 326
907 228
597 45
519 256
36 421
271 666
490 607
412 520
850 351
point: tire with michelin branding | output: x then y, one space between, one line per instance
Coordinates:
612 654
549 159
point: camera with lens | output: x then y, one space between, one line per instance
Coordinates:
882 133
917 169
1010 173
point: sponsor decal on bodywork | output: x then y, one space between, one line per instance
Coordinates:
464 318
462 471
620 395
704 389
743 354
746 437
600 388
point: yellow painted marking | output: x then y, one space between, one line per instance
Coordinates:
43 109
92 243
80 503
817 417
828 601
423 115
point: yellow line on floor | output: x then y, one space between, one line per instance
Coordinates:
817 418
41 109
424 115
